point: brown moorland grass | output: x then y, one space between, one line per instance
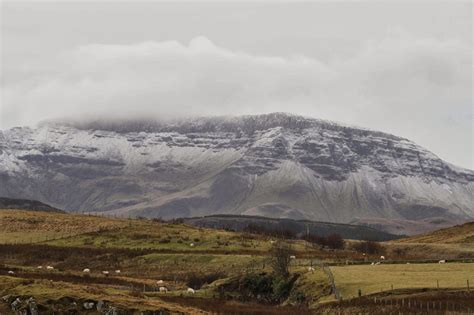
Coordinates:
459 234
46 291
19 226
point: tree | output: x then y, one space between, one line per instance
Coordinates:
281 257
369 247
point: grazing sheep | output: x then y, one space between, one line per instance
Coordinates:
377 263
159 282
11 272
310 269
40 267
292 257
382 257
191 290
87 270
408 263
106 273
163 289
192 244
117 271
49 267
372 264
442 261
88 305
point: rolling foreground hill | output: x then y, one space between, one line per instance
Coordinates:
82 264
274 165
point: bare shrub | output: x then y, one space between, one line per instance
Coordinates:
281 253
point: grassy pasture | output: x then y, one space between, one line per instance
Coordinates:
69 230
373 279
19 226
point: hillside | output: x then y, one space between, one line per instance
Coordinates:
459 234
274 165
24 204
139 256
144 251
298 227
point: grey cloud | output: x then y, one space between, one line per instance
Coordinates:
416 81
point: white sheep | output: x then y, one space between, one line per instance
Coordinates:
442 261
117 271
372 264
377 263
86 270
49 267
292 257
191 290
40 267
160 282
382 257
163 289
106 273
310 269
192 244
11 272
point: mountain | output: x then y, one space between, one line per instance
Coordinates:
298 227
24 204
274 165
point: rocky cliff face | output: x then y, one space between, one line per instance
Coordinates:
276 165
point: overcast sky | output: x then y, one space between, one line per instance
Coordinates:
395 66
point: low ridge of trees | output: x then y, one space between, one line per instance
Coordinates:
369 247
333 241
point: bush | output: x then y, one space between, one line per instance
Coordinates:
281 288
196 281
258 284
281 253
266 287
333 241
369 247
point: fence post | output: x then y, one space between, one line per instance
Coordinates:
467 281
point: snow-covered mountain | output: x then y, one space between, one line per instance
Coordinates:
275 165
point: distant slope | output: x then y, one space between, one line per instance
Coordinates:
408 227
459 234
25 204
300 227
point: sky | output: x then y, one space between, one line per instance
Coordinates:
403 67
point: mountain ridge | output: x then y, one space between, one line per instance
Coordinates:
274 164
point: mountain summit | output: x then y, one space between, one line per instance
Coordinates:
274 165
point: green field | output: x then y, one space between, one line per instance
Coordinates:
182 256
373 279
